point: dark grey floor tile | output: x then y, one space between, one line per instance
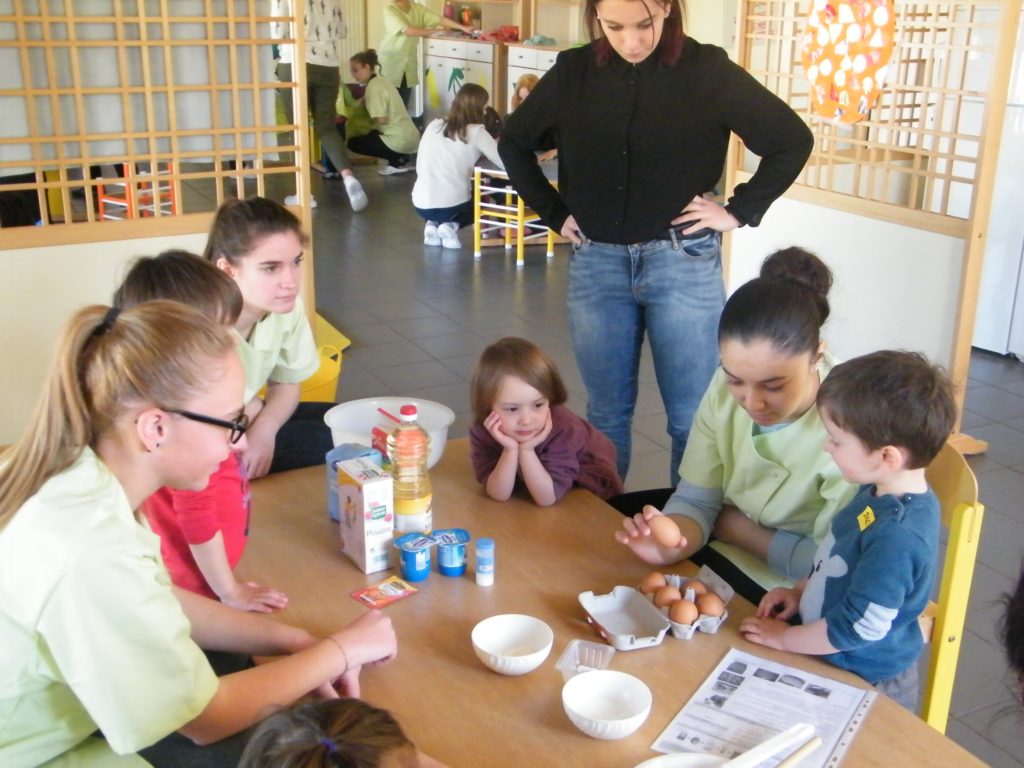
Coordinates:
389 354
980 746
1002 543
994 403
1005 445
993 369
1002 724
422 328
981 677
1003 491
430 373
971 420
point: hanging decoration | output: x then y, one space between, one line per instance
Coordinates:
848 45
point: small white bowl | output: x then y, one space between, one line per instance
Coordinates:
353 422
606 704
511 643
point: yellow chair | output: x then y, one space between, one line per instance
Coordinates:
513 219
943 624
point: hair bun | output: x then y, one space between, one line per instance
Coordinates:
798 265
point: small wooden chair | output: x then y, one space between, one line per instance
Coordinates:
496 223
137 193
942 624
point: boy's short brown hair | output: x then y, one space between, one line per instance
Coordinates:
892 398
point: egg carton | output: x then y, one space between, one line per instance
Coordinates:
625 618
704 623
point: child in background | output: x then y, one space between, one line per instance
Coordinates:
887 416
202 533
449 149
333 732
524 85
523 431
394 137
259 244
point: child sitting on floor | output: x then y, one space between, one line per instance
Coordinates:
887 416
202 533
522 429
449 150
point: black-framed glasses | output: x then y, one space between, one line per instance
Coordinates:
237 426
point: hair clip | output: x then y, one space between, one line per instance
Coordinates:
330 746
107 324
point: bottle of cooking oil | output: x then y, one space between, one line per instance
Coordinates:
408 448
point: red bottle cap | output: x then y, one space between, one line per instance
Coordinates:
408 410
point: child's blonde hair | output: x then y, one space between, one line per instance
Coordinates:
517 357
328 733
525 81
157 353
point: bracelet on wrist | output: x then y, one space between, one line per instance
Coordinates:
341 648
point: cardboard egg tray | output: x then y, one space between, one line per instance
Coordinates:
708 624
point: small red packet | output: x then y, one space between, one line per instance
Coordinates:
385 592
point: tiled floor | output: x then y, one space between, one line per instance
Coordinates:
418 316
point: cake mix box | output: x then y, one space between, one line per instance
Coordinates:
367 513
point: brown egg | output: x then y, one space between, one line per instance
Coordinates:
652 582
710 605
683 612
698 587
665 531
666 596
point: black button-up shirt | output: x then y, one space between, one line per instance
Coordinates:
637 142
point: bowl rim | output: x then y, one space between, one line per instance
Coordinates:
580 680
448 412
539 623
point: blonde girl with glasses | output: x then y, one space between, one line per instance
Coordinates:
93 638
202 533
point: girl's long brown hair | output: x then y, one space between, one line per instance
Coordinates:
467 109
157 353
240 225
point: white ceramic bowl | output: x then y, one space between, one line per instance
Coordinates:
606 704
511 643
352 422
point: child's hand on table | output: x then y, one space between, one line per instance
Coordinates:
250 596
763 631
493 426
636 535
779 603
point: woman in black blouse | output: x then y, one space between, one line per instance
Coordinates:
642 117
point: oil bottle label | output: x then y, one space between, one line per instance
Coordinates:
414 514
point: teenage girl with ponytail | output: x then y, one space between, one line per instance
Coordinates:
99 653
754 478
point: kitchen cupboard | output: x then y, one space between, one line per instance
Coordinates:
450 63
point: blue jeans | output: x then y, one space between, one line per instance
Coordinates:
673 292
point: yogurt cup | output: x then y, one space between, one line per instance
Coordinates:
451 550
414 555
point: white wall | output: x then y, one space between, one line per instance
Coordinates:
895 287
42 287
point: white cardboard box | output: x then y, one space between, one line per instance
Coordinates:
367 512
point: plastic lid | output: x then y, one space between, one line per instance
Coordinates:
485 543
408 412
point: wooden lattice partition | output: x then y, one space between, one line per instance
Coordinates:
122 87
925 155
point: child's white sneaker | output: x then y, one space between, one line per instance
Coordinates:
430 235
356 195
449 232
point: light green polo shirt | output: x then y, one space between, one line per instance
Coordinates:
279 349
91 635
780 479
397 51
399 132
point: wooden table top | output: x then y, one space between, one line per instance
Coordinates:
464 714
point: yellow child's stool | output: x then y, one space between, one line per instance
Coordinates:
497 224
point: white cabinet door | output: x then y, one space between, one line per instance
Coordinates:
434 80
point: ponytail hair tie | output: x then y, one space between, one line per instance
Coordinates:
330 746
108 321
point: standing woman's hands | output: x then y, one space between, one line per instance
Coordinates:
571 231
701 213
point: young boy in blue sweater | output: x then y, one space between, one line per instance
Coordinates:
887 415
